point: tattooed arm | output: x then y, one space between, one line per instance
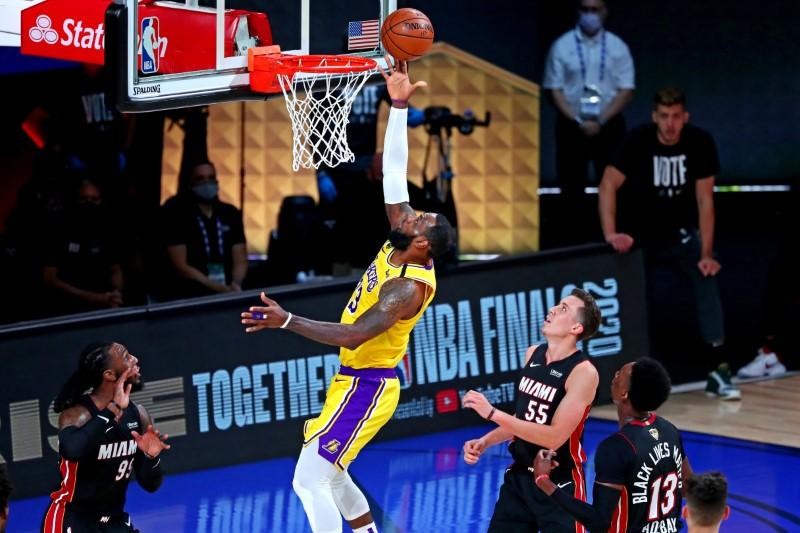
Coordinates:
399 299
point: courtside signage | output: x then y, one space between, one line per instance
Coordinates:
211 387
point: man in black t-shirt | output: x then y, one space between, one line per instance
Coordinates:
640 470
204 237
667 169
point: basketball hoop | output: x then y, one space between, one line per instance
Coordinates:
319 91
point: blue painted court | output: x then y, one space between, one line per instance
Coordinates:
421 484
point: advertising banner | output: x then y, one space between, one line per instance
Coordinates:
227 397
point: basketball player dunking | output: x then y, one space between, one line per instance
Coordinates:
554 394
373 334
639 470
103 437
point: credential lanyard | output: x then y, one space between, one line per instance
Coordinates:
205 237
579 48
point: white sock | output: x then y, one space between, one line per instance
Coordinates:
369 528
312 483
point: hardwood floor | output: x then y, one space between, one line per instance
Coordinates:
769 412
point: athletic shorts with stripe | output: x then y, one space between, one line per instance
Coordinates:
358 404
522 507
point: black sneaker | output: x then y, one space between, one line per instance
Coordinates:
719 384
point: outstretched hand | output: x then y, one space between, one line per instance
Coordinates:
397 82
270 315
152 443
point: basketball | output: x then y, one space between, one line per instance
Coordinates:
407 34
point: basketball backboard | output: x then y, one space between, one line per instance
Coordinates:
170 54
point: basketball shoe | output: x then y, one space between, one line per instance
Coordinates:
766 364
719 384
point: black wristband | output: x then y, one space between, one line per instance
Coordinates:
491 414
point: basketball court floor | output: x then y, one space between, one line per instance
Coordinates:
421 484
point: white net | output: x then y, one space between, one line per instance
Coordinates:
319 105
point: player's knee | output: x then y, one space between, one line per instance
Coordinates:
349 499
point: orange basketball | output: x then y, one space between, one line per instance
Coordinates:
407 34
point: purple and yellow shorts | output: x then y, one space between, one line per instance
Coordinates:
358 404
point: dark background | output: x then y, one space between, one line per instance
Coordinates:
736 60
185 338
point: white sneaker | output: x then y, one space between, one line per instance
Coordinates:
766 364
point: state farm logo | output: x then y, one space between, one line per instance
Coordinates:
43 31
75 34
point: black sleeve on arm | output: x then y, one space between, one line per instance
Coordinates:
595 516
74 442
611 462
148 472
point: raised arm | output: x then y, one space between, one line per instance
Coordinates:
150 444
596 516
399 299
395 144
80 433
581 388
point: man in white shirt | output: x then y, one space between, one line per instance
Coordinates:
590 75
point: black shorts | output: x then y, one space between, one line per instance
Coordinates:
71 521
523 508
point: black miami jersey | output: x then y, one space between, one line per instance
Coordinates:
646 457
95 484
540 389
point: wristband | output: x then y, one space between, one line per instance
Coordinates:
288 319
542 476
491 414
400 102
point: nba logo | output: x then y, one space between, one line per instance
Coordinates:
151 38
404 371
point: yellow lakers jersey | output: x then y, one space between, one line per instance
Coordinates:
386 349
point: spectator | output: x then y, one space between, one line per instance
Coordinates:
590 74
205 240
82 262
706 502
6 488
668 170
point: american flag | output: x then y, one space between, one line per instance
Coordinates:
362 34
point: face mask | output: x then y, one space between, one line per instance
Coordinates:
399 240
206 191
590 23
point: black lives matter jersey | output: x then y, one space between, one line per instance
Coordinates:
96 484
540 389
646 458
